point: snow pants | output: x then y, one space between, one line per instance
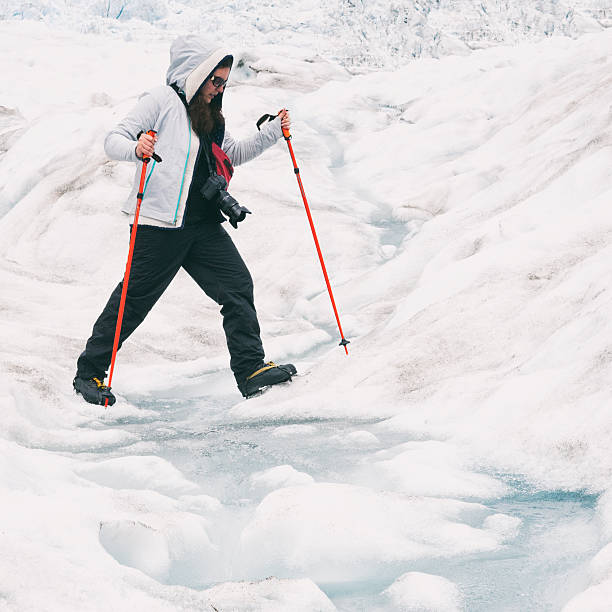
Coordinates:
209 256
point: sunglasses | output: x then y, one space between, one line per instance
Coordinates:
217 81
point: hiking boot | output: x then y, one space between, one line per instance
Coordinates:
269 374
93 390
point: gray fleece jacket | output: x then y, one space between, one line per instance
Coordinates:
161 109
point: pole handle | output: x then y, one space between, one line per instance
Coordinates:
154 156
286 133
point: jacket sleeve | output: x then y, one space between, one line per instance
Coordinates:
241 151
120 143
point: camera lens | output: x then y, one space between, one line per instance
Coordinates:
231 209
214 190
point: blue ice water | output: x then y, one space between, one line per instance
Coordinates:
544 566
539 570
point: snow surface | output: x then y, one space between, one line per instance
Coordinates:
458 458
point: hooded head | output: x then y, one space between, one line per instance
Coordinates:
192 61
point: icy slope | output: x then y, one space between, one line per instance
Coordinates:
462 205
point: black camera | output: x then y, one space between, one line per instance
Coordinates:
214 190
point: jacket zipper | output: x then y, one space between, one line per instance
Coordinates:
184 173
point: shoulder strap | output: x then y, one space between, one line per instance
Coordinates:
205 145
179 93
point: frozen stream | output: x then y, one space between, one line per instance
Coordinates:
540 568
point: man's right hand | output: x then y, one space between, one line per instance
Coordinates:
145 146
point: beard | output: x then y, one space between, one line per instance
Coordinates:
205 117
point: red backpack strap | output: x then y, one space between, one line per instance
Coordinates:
223 163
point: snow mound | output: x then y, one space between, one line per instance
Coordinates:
134 472
419 592
279 476
336 532
271 595
430 468
176 549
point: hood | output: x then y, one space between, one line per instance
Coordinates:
192 60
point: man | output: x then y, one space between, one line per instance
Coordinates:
180 215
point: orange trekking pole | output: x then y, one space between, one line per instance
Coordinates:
343 342
128 265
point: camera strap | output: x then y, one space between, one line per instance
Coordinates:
205 147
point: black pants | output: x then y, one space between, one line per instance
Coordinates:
209 256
